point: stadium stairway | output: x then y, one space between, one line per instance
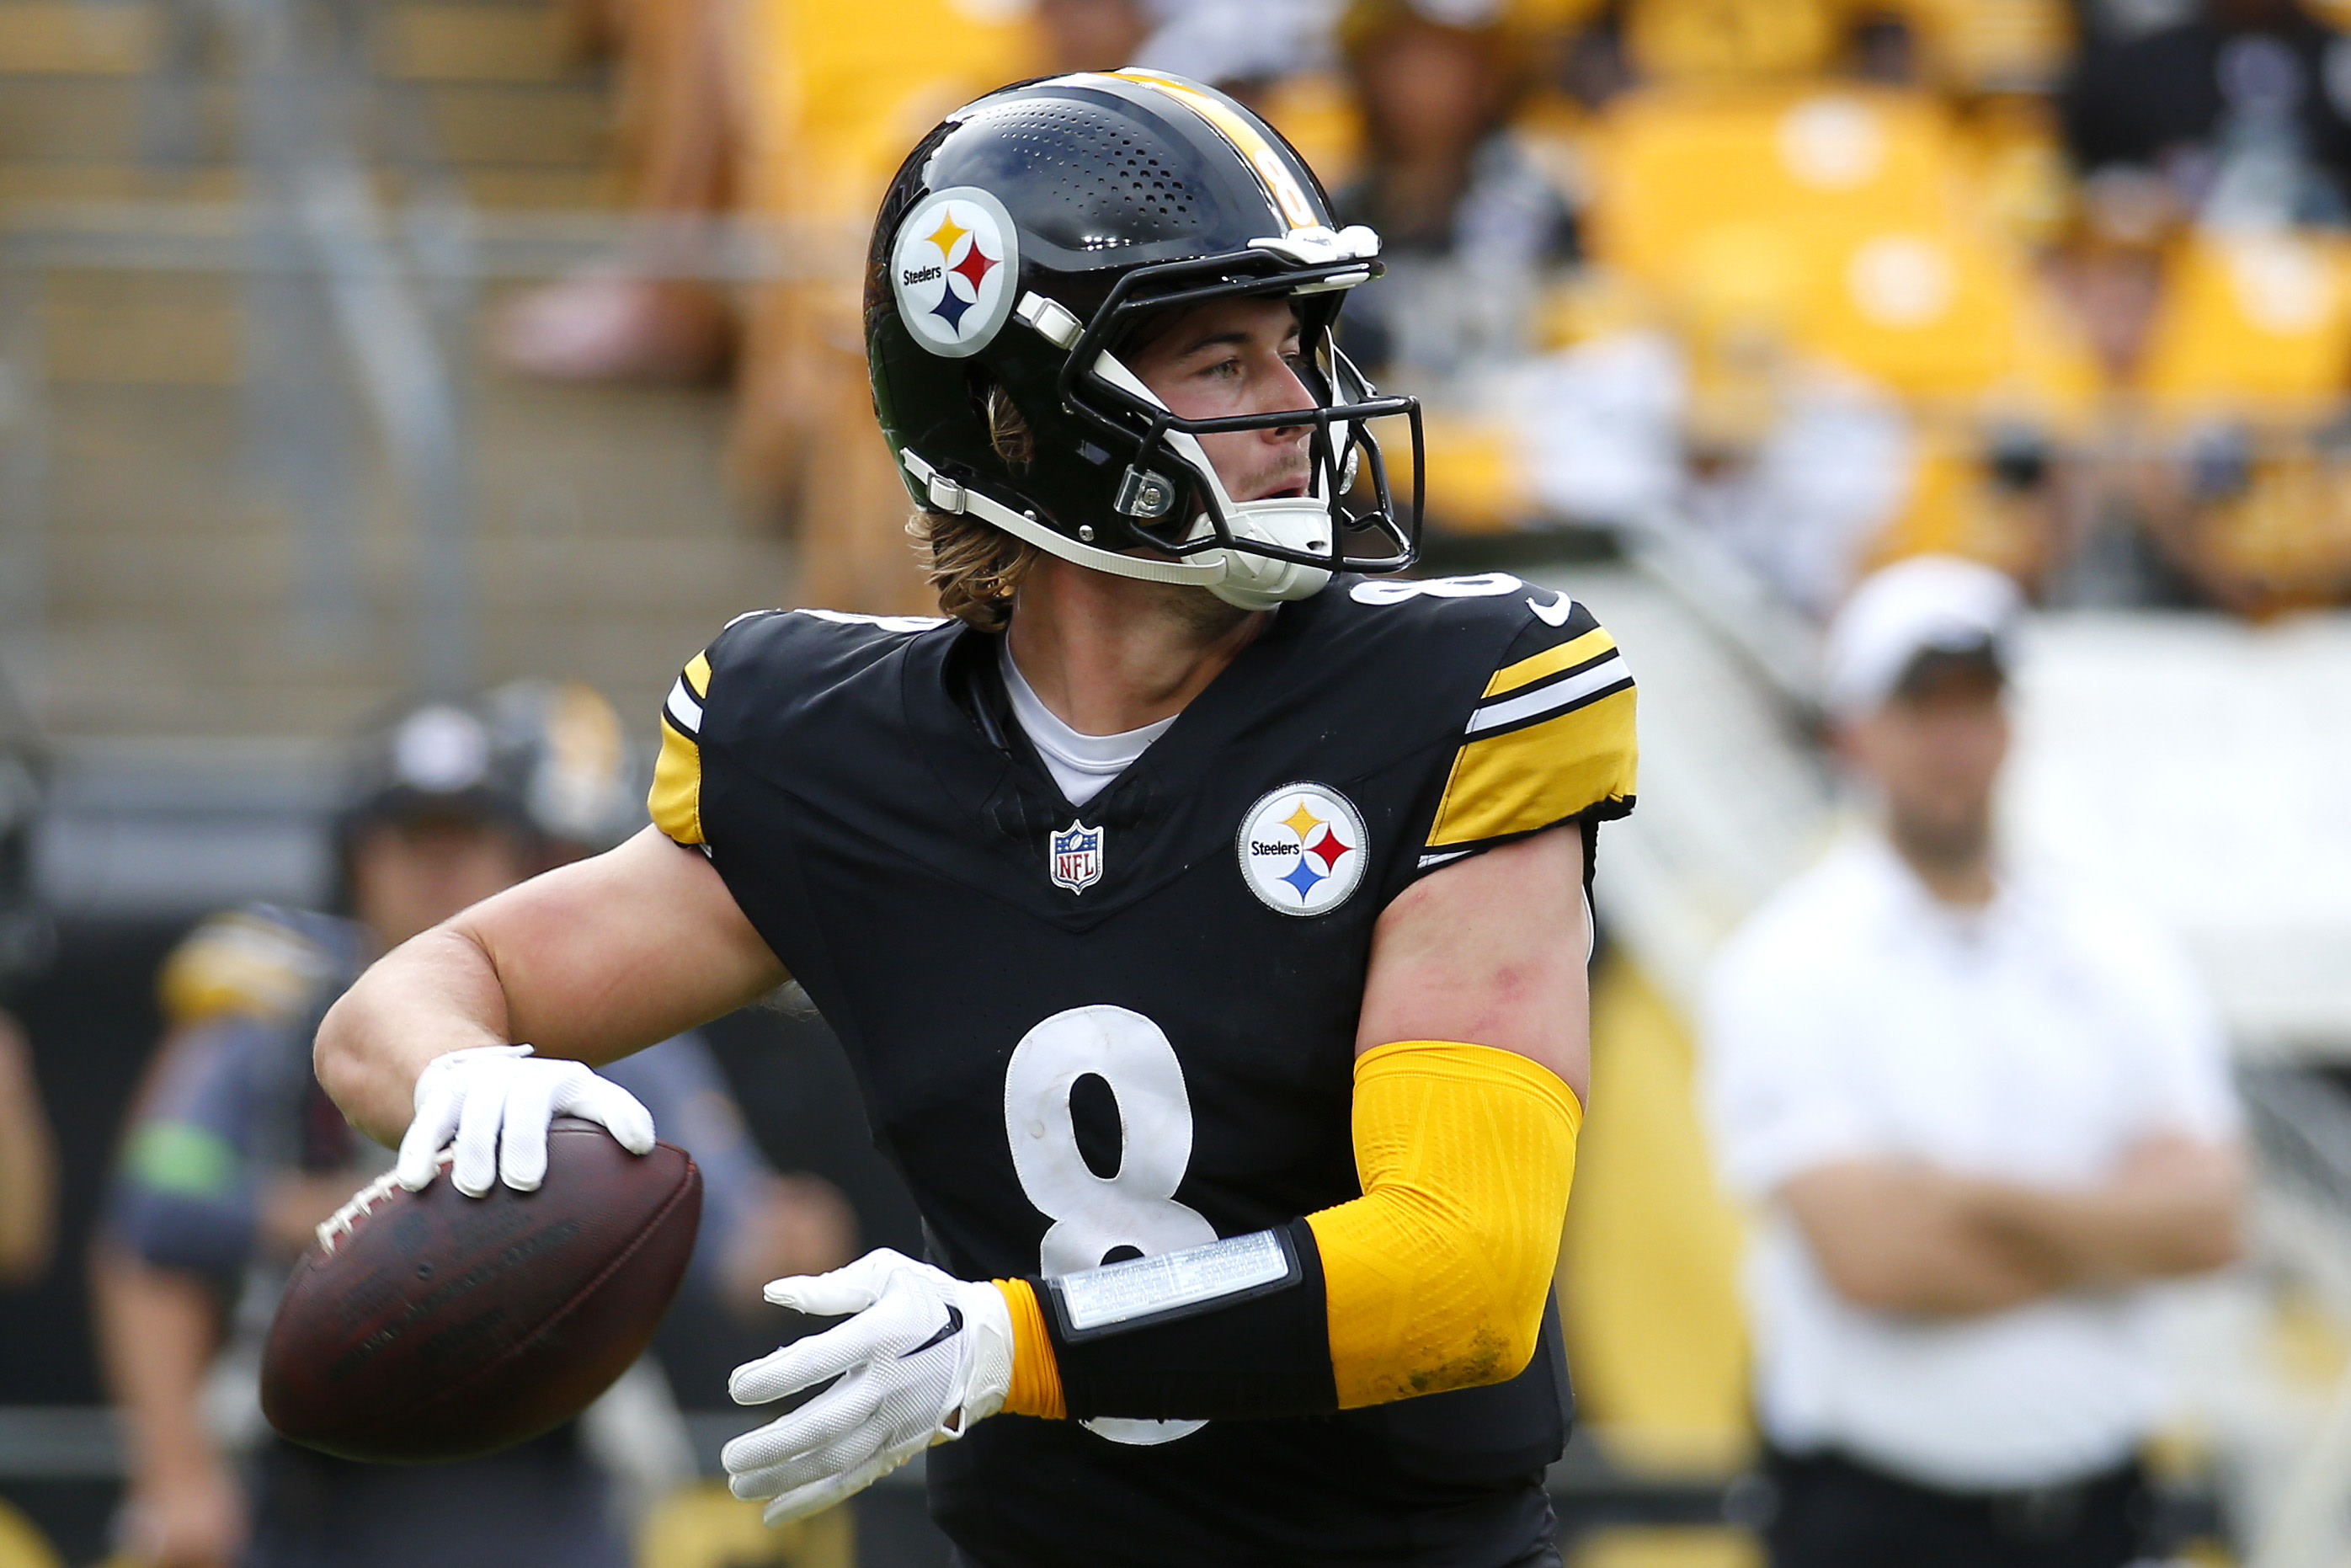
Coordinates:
207 574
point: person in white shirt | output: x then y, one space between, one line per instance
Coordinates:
1979 1110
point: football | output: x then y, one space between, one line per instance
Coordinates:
430 1326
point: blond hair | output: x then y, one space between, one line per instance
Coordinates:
975 567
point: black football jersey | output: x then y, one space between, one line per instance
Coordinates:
1085 1034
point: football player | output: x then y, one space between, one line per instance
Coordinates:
1205 918
232 1157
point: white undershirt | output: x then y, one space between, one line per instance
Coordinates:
1080 764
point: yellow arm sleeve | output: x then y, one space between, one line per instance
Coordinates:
1435 1278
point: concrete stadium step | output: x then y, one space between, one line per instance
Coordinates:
67 37
125 675
485 42
168 329
606 551
474 43
78 119
586 187
606 546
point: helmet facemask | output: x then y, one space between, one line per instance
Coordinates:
1171 498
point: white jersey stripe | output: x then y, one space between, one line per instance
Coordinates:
684 711
1544 699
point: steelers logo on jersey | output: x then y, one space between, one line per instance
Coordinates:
1303 848
953 267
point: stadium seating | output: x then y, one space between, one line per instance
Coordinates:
831 106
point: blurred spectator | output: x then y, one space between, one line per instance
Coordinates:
28 1165
1468 219
630 319
1741 40
2215 471
1239 45
1991 47
233 1156
1980 1110
28 1157
2245 107
1790 463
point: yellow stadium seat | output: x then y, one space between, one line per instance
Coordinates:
1671 165
1317 113
1991 45
2022 180
1648 1267
2251 326
22 1545
1955 509
837 97
1928 313
1652 1546
1476 483
1730 40
2285 542
702 1526
1847 220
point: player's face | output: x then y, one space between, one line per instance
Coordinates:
1226 358
408 877
1935 753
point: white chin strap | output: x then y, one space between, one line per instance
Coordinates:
1240 578
944 495
1246 579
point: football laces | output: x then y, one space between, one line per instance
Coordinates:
337 1225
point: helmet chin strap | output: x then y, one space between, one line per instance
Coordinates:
1246 579
1239 578
943 494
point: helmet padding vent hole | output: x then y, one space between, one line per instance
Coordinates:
1069 140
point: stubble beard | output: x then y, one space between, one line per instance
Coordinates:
1197 611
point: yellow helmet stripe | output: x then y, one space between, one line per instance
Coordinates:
1282 186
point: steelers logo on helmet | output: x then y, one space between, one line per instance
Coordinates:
953 268
1303 848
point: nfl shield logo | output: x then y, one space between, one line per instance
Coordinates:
1075 856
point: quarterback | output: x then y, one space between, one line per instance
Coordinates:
1203 914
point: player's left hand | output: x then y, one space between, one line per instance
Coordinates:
925 1356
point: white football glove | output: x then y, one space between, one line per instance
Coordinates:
926 1357
497 1100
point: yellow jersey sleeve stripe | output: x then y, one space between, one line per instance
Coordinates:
1551 662
1525 779
675 799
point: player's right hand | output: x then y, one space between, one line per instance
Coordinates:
497 1100
921 1356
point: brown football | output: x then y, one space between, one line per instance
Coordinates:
431 1326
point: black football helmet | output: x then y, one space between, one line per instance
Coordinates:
1021 245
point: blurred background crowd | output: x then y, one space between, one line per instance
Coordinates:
443 372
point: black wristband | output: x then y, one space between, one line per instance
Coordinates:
1261 1352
